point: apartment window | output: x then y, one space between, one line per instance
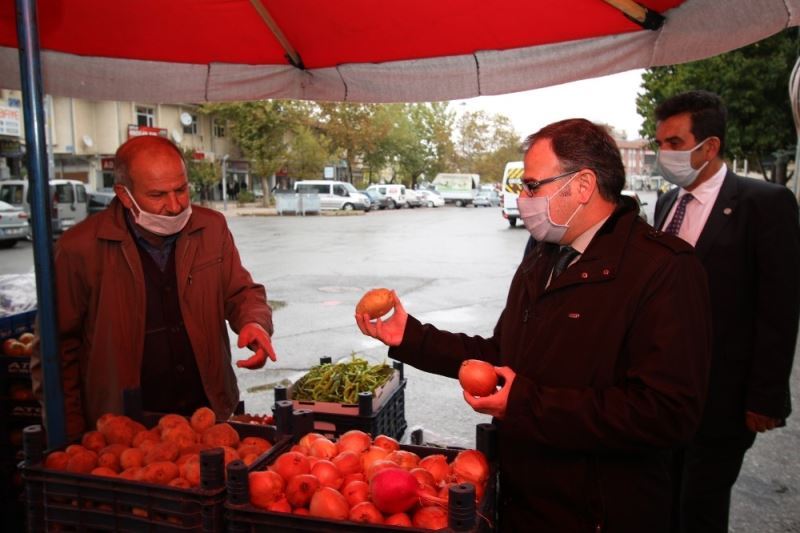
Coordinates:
145 116
191 128
219 128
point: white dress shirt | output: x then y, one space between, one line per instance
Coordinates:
698 209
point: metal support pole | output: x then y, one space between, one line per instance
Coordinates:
36 152
225 182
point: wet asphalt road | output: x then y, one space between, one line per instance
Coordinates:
451 267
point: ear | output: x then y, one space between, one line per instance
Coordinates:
122 194
712 147
587 183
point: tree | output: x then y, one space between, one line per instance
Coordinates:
753 82
486 143
423 140
202 175
262 131
355 131
308 153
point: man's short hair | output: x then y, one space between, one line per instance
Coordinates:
579 143
130 148
707 112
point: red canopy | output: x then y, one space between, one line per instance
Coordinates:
364 50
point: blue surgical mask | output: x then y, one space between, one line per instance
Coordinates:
676 166
535 214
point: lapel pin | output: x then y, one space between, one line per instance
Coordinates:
727 211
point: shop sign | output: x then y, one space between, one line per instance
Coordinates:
138 131
107 164
10 118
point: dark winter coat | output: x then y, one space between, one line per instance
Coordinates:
611 361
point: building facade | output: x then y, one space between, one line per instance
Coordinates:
83 135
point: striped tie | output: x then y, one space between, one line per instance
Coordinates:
677 219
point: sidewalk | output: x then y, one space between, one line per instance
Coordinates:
255 209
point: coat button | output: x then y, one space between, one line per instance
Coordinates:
584 275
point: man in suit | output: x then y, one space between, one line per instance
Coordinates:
745 232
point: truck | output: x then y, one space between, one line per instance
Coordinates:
458 189
512 185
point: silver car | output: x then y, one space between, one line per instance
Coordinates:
13 225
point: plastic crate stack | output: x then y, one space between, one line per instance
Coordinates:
18 409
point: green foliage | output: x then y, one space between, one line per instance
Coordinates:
245 197
202 175
753 82
486 144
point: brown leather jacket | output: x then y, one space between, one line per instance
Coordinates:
101 311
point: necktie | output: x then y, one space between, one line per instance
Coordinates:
677 219
565 257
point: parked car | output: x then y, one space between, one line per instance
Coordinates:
376 201
632 194
13 225
395 194
413 199
99 200
481 200
68 200
431 198
493 196
334 194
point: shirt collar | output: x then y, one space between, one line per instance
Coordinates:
582 241
707 191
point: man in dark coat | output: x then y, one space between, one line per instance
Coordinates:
746 233
604 365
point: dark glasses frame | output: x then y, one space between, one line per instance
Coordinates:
531 186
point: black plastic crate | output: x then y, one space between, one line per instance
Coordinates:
15 325
245 518
385 415
68 501
15 367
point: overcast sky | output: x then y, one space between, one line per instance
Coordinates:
609 100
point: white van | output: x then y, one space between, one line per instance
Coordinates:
334 195
68 200
395 194
512 186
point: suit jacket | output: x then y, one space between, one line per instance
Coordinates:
750 248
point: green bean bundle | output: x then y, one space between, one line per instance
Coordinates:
341 382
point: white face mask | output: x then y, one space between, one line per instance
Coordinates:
676 166
160 224
535 214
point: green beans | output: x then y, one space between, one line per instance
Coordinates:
341 382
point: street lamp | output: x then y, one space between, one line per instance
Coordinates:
225 182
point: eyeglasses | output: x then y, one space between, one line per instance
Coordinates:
532 185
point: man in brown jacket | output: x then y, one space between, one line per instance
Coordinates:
144 289
603 346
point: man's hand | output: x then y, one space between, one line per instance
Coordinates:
760 423
494 404
257 339
389 332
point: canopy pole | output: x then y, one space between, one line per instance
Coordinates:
36 152
291 54
644 17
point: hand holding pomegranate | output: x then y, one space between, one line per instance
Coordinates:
389 331
494 404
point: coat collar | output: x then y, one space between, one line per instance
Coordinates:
113 228
599 262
